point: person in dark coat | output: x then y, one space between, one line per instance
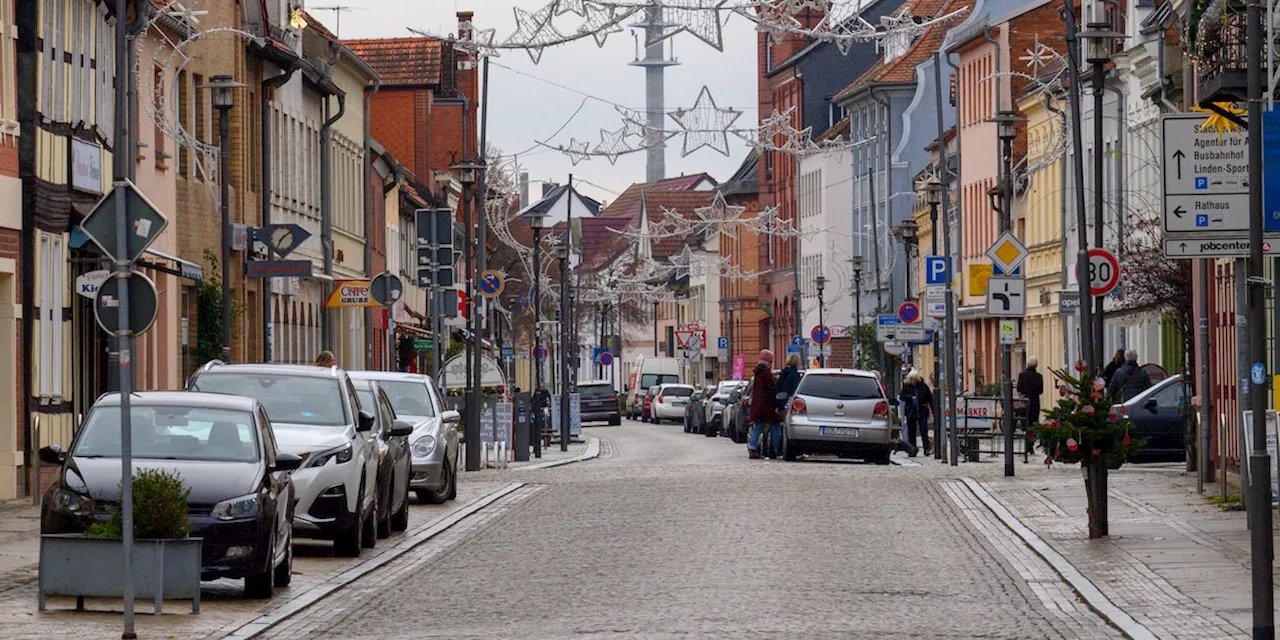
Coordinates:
1031 386
1130 379
764 404
788 381
1110 371
917 402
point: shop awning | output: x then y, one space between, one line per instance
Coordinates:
182 268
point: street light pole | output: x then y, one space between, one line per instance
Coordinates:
536 221
474 220
1006 126
222 93
855 264
1100 40
933 189
821 284
564 341
1087 337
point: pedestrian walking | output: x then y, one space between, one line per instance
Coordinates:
326 359
917 400
1031 386
764 404
1130 379
1116 362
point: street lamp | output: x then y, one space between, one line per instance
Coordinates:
222 94
537 221
468 174
907 233
821 284
855 265
1100 45
563 252
1006 130
933 195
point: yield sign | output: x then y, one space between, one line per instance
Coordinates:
685 338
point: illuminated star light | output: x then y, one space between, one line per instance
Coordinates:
534 30
612 144
700 18
602 21
571 6
632 122
776 18
1038 56
577 151
705 125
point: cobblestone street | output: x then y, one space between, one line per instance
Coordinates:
672 535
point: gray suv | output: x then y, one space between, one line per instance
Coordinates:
838 411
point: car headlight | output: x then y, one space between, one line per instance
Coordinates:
424 446
236 508
340 455
71 503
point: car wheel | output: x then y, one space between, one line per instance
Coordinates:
369 535
284 570
882 457
789 452
347 543
441 496
384 513
262 585
453 482
615 421
400 519
710 429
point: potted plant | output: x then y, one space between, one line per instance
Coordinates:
166 560
1085 428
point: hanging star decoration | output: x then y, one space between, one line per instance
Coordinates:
571 6
777 134
534 31
632 122
776 18
602 21
577 151
720 216
297 21
480 43
613 144
1039 55
705 125
700 18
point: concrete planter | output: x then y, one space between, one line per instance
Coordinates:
73 565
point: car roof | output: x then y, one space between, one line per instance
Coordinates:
298 370
1154 388
676 384
390 376
592 383
835 370
181 399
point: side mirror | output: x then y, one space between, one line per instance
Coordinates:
451 417
52 454
1151 404
286 462
400 429
365 422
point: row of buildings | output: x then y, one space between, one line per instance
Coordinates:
344 138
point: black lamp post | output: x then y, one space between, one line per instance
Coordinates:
821 284
933 193
855 265
468 174
1006 131
222 93
563 251
907 233
537 221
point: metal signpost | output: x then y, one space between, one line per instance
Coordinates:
435 257
1006 299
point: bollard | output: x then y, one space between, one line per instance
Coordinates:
35 464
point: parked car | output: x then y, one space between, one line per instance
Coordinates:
599 402
393 457
434 445
649 372
223 447
1159 416
838 411
740 427
316 416
716 402
647 404
694 420
670 402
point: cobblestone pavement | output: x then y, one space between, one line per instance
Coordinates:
1173 562
669 535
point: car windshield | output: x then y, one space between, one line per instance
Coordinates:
652 379
304 400
171 433
839 387
408 398
679 392
728 387
595 391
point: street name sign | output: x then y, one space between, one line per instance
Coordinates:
1212 247
1206 176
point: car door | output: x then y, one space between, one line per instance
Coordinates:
1161 421
397 452
367 442
279 503
448 432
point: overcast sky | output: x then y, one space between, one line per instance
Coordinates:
526 110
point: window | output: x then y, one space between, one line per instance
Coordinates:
172 433
158 97
835 113
184 122
896 44
840 387
409 398
312 401
811 194
8 67
52 282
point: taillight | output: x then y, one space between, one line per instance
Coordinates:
746 402
1120 409
798 406
660 398
882 408
611 399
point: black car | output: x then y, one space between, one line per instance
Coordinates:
394 463
223 448
599 402
1160 417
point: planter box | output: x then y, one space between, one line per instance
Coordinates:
73 565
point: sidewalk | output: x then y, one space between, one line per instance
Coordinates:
1174 562
19 535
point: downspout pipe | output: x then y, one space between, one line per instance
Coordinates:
269 85
141 16
1062 211
369 232
326 198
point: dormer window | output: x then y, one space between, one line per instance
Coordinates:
896 44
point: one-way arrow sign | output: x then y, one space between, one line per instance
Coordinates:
1179 155
1179 211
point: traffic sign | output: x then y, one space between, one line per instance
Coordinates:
687 355
1104 272
935 309
491 284
935 293
1206 176
936 269
909 312
686 338
423 344
796 341
606 358
1007 253
507 353
890 327
540 351
793 348
1212 247
144 223
143 304
894 348
722 342
387 289
821 334
1008 332
1007 297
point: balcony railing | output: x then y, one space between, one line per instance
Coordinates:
1222 44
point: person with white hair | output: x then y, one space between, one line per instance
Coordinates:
917 402
1031 386
1130 379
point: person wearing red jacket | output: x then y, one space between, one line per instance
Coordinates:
764 404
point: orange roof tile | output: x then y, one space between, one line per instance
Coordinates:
903 68
403 61
681 202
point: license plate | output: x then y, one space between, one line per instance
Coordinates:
838 431
679 403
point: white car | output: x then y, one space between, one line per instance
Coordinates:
433 447
670 402
316 415
719 399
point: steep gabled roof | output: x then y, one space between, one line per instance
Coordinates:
903 68
404 61
746 180
627 205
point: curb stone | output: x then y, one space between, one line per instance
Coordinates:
592 451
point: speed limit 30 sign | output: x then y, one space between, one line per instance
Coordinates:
1104 272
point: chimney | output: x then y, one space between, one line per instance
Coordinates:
524 189
464 24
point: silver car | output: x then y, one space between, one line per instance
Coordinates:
433 446
838 411
718 400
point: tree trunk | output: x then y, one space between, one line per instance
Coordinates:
1095 489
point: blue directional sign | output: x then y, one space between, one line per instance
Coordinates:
796 341
1271 171
723 342
936 269
491 284
888 319
793 348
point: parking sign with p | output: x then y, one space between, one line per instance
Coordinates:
936 269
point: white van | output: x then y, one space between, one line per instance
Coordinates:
649 371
